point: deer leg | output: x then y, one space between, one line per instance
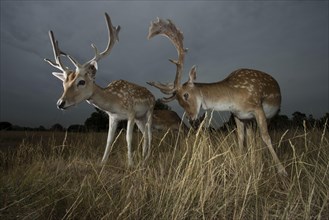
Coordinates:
113 123
262 124
129 135
141 124
240 129
249 133
149 132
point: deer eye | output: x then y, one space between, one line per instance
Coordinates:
81 83
186 95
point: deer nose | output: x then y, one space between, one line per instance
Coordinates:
61 104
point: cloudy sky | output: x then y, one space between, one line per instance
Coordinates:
288 39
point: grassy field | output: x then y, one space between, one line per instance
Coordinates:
201 175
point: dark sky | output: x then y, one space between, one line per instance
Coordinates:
287 39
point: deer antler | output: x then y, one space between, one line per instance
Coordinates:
113 35
57 53
168 29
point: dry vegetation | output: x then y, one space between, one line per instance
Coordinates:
196 176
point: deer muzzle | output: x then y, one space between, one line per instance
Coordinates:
61 104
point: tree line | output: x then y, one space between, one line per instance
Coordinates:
98 122
298 120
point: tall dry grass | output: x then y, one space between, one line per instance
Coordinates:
189 176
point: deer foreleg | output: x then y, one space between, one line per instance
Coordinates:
113 123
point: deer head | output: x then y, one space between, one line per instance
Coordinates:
78 84
186 94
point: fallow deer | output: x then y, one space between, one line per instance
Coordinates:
120 99
246 93
167 119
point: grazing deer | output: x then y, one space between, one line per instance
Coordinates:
120 99
167 119
246 93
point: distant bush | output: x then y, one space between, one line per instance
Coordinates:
57 127
6 126
76 128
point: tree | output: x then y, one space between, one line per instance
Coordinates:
57 127
76 128
41 128
324 119
298 118
98 121
279 122
6 126
311 122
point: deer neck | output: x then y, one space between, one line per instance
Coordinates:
215 96
101 98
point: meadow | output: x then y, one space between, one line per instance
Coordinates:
199 175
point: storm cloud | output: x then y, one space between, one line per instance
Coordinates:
287 39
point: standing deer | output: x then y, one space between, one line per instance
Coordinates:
246 93
120 99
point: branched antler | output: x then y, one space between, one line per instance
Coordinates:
57 53
169 30
113 36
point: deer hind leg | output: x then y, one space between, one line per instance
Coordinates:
113 123
129 135
262 124
240 130
144 126
141 124
149 132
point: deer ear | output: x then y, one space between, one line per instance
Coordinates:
94 64
93 67
192 74
60 76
